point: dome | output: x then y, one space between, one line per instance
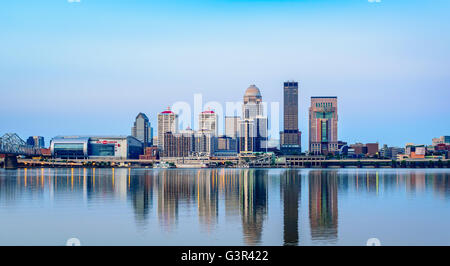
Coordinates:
252 91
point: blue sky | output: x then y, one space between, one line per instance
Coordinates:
90 67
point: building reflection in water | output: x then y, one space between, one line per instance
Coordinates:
253 199
230 188
208 198
323 205
141 193
243 193
175 189
290 189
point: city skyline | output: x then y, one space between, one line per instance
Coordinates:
385 61
177 125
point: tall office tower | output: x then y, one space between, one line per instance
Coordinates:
323 118
253 133
252 103
142 130
261 142
247 133
208 121
231 126
167 122
36 141
290 137
204 143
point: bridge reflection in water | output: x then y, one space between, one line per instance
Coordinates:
218 197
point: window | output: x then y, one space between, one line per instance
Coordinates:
324 131
101 150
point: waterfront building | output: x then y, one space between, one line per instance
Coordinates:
414 151
177 145
204 143
232 126
96 147
391 152
253 132
142 130
247 133
323 129
226 144
208 121
290 137
150 153
343 148
351 152
167 122
372 149
366 150
188 143
359 148
36 142
441 140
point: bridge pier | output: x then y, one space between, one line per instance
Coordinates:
10 162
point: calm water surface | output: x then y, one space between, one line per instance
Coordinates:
224 206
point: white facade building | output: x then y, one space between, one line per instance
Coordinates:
167 122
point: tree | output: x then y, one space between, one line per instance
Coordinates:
403 164
393 164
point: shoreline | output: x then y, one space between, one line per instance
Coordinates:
162 164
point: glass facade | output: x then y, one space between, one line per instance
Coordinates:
69 150
326 115
101 150
324 131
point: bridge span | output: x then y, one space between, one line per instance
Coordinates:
11 146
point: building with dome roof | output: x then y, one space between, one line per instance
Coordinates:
252 94
253 125
252 106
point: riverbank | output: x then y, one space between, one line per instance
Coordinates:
332 164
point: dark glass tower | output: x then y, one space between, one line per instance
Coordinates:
142 130
290 137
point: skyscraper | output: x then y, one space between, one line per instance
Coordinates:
167 122
36 141
253 133
247 133
204 142
208 121
231 126
323 118
290 137
142 130
252 103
